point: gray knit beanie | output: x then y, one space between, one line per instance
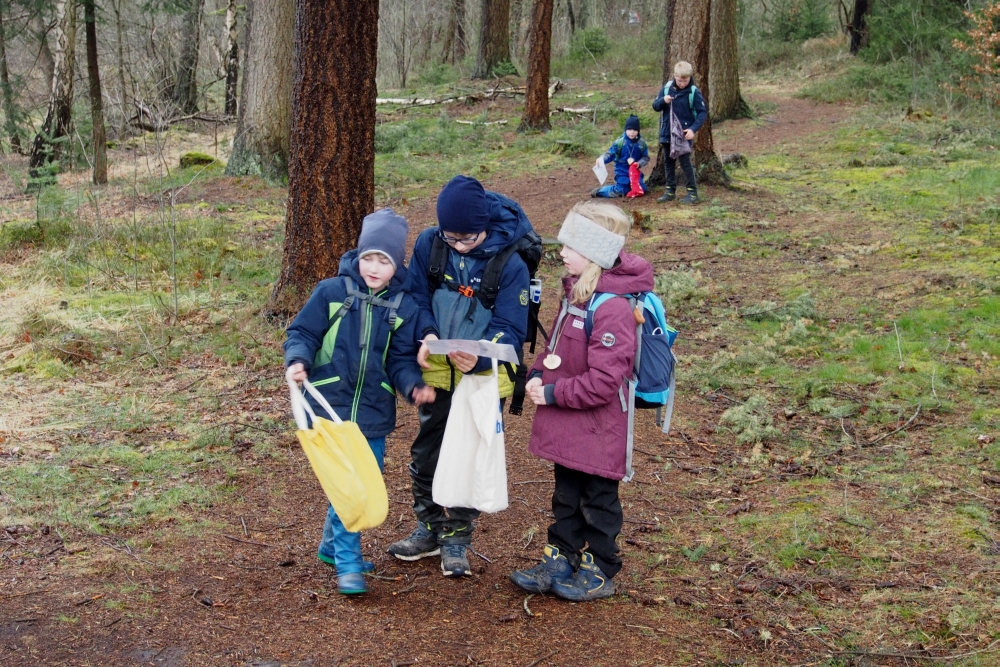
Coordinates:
601 246
384 232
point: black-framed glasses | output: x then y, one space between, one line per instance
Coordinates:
455 240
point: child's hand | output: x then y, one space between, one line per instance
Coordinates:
425 351
536 392
423 395
599 161
668 99
463 361
630 160
689 135
296 372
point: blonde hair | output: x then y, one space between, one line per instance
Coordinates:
683 68
614 220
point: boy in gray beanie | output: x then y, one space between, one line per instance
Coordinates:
355 339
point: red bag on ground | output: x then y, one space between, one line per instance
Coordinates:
634 180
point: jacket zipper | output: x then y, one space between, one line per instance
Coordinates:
364 359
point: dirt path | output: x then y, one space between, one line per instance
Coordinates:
245 586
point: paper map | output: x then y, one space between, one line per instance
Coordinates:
480 348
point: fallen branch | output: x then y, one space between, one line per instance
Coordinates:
894 431
544 657
918 656
527 610
579 110
258 544
477 122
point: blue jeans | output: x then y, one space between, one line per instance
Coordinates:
338 544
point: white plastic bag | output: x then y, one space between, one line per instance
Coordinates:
472 465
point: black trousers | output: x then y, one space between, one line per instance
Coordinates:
587 512
670 167
453 525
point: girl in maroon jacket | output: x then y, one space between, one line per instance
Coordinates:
579 384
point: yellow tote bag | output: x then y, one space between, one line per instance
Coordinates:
343 463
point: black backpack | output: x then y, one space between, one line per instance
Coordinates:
529 247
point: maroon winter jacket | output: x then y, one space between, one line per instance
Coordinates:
587 429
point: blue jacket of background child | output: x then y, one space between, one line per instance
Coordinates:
358 363
690 118
621 150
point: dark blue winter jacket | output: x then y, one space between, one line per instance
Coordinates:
358 363
620 151
509 321
690 118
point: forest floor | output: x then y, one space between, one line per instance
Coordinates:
829 494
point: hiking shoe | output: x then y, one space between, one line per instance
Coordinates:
539 579
351 583
588 583
454 561
614 194
420 544
366 565
669 195
593 193
691 198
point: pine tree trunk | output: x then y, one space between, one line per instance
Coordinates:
859 27
727 102
494 38
658 176
232 58
47 146
691 41
100 138
332 166
536 102
9 111
261 145
461 41
186 86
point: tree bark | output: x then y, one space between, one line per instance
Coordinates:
691 41
186 85
47 146
100 176
461 41
572 17
232 58
494 38
727 102
265 113
10 112
859 27
536 102
332 166
447 51
658 176
123 90
45 58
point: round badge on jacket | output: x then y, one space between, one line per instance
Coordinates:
608 339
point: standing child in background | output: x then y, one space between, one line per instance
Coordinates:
355 341
580 387
683 98
627 150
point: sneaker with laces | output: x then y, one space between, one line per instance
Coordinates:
351 583
454 560
420 544
587 583
593 193
539 579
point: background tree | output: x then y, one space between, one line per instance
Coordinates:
858 27
10 112
454 45
232 58
186 86
536 103
726 102
332 166
54 132
494 37
39 28
100 176
261 144
658 176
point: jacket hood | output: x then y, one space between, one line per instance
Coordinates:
349 268
508 223
630 275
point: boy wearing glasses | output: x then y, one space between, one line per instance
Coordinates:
446 274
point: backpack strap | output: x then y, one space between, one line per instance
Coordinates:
489 285
353 293
438 263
